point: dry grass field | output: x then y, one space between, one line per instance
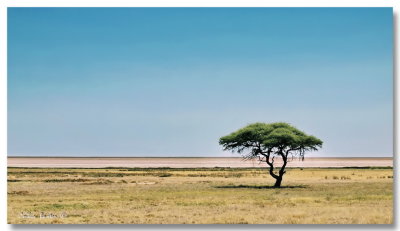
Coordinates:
199 196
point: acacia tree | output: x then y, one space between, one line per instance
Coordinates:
266 141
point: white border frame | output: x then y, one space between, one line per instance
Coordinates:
178 3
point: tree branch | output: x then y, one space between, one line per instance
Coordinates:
271 165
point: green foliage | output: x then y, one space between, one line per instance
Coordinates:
278 138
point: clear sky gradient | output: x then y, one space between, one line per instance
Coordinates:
171 81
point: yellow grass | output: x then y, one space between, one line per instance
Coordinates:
199 196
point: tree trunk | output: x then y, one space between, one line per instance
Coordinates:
282 171
278 182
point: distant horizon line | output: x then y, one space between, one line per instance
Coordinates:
185 157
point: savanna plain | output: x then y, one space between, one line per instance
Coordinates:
199 196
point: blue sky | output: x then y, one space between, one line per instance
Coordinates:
171 81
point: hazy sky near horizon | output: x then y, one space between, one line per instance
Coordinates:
171 81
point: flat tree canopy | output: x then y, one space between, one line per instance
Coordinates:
265 141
